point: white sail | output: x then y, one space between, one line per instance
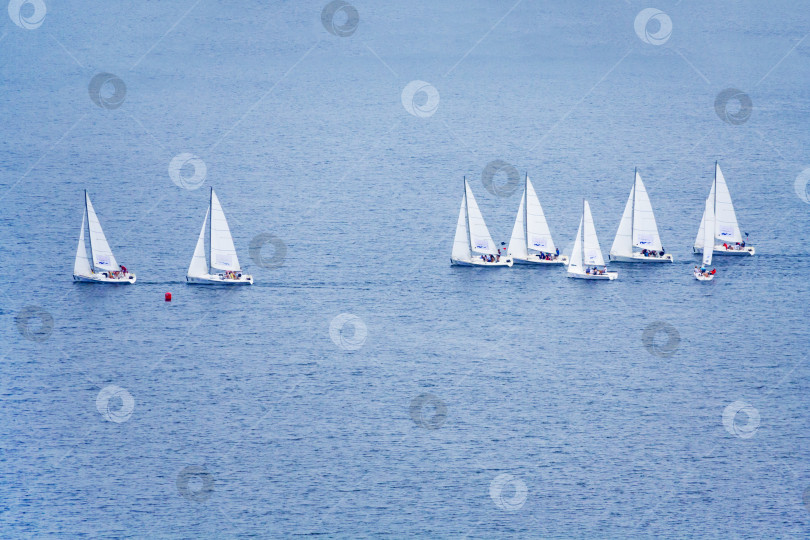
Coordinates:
480 240
623 243
645 230
461 242
517 244
708 239
591 252
699 239
102 254
726 228
223 252
199 266
538 235
81 266
575 262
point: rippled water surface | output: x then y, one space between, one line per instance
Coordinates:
363 386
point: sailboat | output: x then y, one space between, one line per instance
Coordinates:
637 239
726 239
103 268
703 274
221 254
473 246
531 241
587 255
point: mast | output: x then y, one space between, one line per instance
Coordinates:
211 229
714 224
89 236
633 212
526 212
467 218
584 226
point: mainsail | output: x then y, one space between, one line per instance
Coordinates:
538 234
592 252
645 230
726 228
223 252
480 241
102 254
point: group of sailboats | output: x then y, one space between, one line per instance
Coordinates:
219 265
637 239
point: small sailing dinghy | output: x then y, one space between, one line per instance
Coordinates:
726 238
586 257
473 246
637 239
104 268
221 254
531 241
703 273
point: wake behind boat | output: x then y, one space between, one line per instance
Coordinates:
586 257
104 268
726 238
531 241
637 239
221 255
472 245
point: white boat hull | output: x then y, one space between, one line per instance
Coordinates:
638 257
562 259
720 250
219 279
505 261
125 279
610 276
701 277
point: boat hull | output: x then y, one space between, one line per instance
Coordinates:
562 259
609 276
701 277
503 262
128 279
219 279
639 258
720 250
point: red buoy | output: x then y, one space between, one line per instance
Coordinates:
168 297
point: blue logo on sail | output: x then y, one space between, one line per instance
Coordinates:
481 245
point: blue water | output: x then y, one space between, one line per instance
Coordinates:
237 414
